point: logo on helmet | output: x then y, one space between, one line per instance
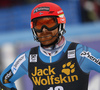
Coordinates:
40 13
41 9
61 11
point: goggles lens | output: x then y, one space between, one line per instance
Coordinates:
48 22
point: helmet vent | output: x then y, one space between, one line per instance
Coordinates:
51 12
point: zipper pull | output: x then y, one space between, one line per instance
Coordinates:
50 57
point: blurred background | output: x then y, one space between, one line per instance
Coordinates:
82 26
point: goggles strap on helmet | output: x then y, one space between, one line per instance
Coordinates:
34 34
61 29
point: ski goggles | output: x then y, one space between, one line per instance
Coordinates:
50 23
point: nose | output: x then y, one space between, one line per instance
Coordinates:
44 30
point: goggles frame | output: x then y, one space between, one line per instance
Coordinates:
58 21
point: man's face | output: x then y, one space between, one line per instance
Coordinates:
46 29
46 37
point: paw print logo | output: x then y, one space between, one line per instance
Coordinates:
68 68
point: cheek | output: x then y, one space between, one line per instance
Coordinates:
38 34
55 32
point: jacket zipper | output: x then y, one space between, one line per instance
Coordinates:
50 59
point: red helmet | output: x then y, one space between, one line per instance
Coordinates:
49 9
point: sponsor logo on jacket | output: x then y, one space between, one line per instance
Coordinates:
88 55
52 78
17 63
7 76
